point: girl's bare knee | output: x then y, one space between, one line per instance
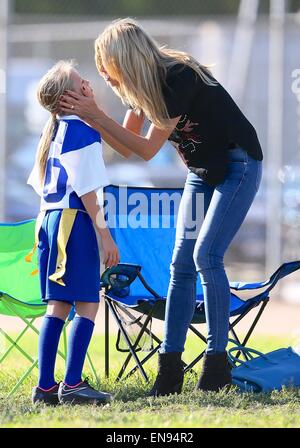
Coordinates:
57 308
87 309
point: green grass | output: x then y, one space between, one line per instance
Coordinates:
133 409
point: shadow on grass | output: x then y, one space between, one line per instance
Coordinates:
136 391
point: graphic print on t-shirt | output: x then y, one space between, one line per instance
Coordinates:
220 122
185 137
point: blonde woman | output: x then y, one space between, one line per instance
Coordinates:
68 171
186 105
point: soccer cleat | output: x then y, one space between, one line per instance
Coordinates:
49 396
82 393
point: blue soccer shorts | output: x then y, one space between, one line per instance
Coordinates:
82 274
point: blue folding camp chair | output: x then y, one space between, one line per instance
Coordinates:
142 221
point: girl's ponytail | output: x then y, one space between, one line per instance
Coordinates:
51 87
44 145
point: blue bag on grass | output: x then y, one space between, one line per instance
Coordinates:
266 372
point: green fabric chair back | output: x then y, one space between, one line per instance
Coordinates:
18 287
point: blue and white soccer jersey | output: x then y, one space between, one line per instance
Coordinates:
75 167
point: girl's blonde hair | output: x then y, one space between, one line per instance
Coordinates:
50 88
140 66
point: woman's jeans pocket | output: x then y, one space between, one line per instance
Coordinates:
242 165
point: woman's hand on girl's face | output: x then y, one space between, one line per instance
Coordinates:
73 103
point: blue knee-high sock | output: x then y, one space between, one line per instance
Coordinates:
48 344
79 339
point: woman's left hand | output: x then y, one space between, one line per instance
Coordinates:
83 106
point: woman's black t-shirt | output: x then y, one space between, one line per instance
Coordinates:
210 124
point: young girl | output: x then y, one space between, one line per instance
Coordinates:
221 150
68 171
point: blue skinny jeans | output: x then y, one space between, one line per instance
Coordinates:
223 208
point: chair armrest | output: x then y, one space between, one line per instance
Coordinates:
284 270
120 276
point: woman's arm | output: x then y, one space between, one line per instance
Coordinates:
132 122
145 147
115 144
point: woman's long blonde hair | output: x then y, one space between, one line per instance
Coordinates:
140 66
50 88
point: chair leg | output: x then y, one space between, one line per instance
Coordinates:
65 342
149 332
126 362
143 329
197 333
251 329
145 359
14 343
130 346
23 378
190 366
152 352
33 328
231 329
92 367
238 341
106 342
194 362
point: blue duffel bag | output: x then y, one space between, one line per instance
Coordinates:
266 372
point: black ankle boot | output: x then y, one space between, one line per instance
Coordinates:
216 373
170 375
